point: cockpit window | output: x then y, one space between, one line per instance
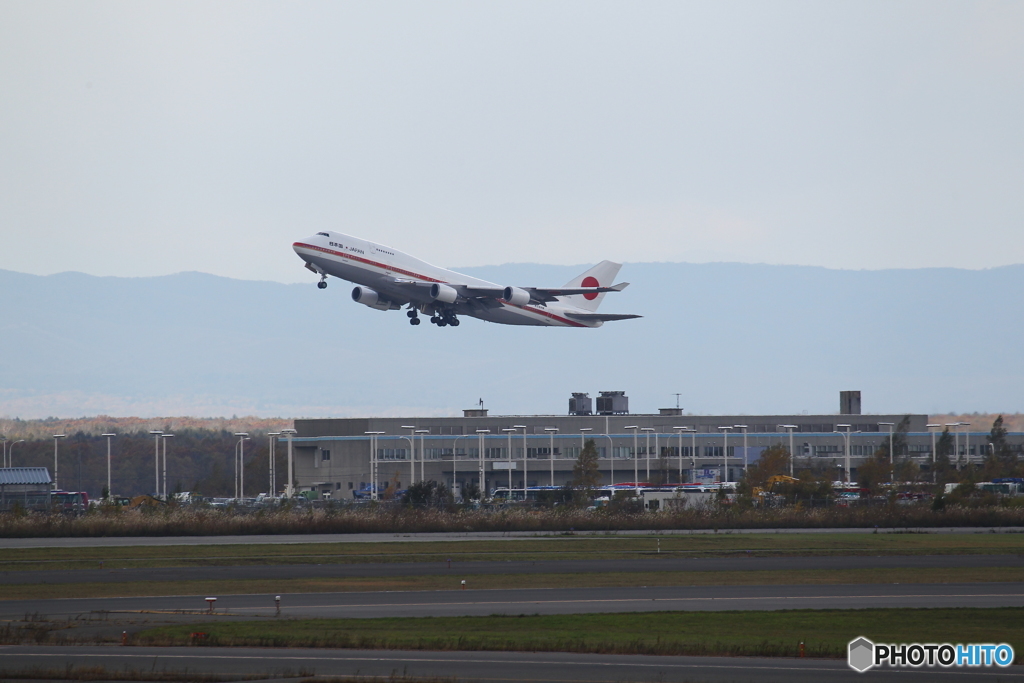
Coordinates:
324 234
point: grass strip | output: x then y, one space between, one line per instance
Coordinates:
552 548
489 581
825 633
73 672
101 673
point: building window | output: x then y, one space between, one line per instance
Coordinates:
350 486
391 454
325 455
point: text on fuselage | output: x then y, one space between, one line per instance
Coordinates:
339 245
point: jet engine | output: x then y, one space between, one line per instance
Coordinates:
443 293
368 297
516 296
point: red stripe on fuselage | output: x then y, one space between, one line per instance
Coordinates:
418 276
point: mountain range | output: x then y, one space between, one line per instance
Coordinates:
728 337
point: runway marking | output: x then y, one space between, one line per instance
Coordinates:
428 660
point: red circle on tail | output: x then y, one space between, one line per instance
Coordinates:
590 281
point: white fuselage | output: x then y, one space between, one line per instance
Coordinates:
378 267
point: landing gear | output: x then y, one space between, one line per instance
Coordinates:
323 282
414 321
413 318
445 318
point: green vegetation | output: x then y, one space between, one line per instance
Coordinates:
47 591
548 548
198 521
102 673
825 633
555 547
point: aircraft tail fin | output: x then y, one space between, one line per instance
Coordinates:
601 275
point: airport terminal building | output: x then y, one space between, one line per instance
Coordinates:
333 458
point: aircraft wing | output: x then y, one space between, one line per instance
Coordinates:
480 292
603 317
538 295
465 291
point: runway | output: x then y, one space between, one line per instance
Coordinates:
364 605
101 542
736 562
478 666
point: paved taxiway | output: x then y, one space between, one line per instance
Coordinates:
479 666
540 601
736 562
103 542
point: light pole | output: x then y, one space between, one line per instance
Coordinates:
525 456
693 449
846 442
611 460
967 442
273 464
657 449
156 459
931 428
647 450
636 472
412 453
234 459
109 436
508 432
9 452
55 438
423 452
240 464
164 437
792 455
373 463
725 453
455 455
551 450
892 464
744 428
679 433
956 441
582 435
480 433
288 433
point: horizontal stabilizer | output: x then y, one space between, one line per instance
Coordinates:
542 294
603 317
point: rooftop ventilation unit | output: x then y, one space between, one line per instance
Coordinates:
613 403
581 404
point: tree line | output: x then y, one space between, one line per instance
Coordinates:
200 461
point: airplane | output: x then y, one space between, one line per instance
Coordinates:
386 279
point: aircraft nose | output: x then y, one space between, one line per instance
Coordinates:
301 248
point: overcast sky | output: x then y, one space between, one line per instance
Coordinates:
142 138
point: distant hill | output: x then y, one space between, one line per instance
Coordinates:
105 424
729 337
